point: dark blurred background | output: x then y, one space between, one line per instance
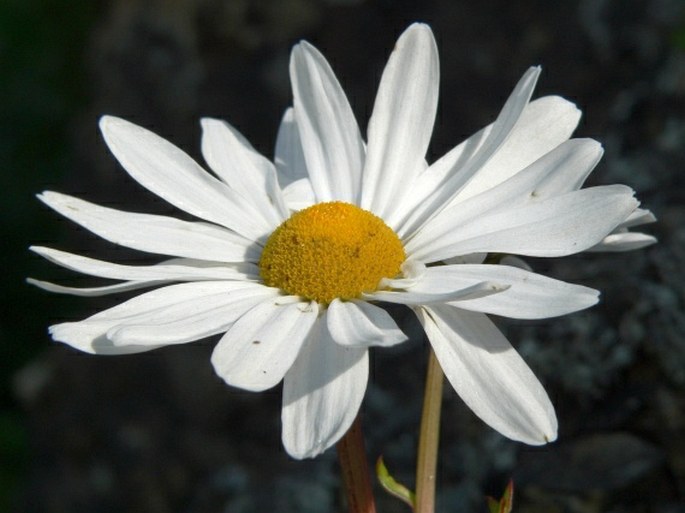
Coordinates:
159 432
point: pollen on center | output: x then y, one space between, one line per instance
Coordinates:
331 250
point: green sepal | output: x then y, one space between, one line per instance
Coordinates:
393 487
505 504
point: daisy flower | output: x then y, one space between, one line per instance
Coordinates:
289 261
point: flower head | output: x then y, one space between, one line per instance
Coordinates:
289 260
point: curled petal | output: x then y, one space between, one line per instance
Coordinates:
361 324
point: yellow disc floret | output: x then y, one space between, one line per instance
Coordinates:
331 250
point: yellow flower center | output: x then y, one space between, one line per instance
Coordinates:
331 250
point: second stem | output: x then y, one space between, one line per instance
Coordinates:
429 436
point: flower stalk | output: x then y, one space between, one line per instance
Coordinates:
429 436
355 470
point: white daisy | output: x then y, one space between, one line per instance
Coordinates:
290 261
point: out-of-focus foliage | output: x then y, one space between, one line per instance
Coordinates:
41 91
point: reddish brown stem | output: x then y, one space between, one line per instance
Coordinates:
355 470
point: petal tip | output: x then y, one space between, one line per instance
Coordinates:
208 122
419 26
108 123
549 438
302 453
44 196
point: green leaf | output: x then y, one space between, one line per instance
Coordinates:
493 505
505 504
393 487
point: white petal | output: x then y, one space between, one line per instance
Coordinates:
561 170
638 217
261 346
402 120
528 295
623 240
159 306
489 375
299 194
331 141
440 183
322 393
153 233
418 286
173 270
202 318
471 258
544 124
412 272
559 226
289 158
165 170
360 324
627 241
245 170
424 294
93 291
514 261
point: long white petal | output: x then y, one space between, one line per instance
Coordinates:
637 218
558 226
159 306
623 240
202 318
322 393
424 294
439 184
153 233
544 124
331 141
288 156
561 170
117 288
489 375
173 270
299 194
527 295
361 324
230 155
626 241
402 120
261 346
171 174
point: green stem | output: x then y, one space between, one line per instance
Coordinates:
427 461
355 470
